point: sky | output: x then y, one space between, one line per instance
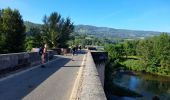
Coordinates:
149 15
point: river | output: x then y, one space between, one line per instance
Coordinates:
146 84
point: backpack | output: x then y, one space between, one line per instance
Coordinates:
41 51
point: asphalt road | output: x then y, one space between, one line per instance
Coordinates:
54 82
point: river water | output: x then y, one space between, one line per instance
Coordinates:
145 84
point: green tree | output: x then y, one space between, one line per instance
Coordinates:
155 53
1 35
34 39
130 47
12 31
67 29
162 50
114 51
56 30
146 51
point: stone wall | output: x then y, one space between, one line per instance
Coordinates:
92 88
100 58
24 59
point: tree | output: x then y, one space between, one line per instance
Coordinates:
130 47
114 51
67 28
146 51
162 50
1 35
12 31
34 38
155 52
56 30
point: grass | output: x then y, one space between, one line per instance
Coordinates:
134 63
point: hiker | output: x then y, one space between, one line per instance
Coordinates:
44 55
73 51
41 50
76 49
80 48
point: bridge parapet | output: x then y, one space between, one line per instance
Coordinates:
16 60
100 58
92 88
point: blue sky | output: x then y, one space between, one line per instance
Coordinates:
121 14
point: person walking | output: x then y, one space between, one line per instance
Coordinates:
76 49
80 48
73 52
44 55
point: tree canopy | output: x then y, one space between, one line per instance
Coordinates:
34 38
12 31
56 30
153 53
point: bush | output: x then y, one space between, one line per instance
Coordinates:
132 64
136 65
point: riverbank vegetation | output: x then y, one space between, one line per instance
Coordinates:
150 55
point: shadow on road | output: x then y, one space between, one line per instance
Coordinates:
17 87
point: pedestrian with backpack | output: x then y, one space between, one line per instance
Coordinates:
41 50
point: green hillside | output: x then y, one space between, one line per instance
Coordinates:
104 32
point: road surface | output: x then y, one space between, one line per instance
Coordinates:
54 82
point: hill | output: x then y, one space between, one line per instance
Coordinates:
104 32
31 25
114 33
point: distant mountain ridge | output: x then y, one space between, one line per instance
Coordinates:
31 25
105 31
112 32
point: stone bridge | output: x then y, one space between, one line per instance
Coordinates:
64 77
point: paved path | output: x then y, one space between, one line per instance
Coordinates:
54 82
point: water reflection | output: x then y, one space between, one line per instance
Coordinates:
145 84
